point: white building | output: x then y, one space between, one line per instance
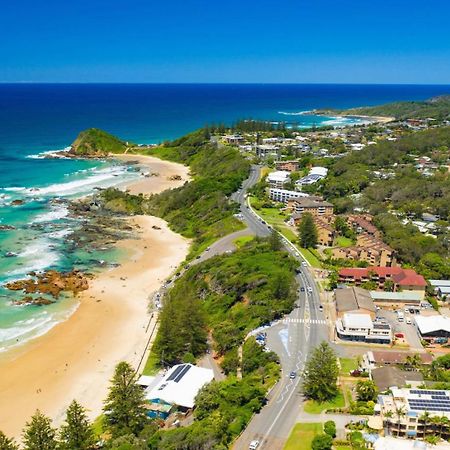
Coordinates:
278 179
433 326
178 387
283 195
360 327
315 174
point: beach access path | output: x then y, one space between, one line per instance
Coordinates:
76 358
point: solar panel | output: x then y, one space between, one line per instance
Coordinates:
175 373
182 373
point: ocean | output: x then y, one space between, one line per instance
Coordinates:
38 118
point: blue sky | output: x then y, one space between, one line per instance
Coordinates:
283 41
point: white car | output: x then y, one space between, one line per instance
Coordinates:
309 289
253 445
408 321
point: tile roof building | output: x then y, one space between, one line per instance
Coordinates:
354 300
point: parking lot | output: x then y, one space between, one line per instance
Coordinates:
408 330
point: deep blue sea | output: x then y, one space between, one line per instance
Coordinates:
37 118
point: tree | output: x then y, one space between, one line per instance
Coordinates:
76 433
6 443
308 231
321 373
124 405
39 433
330 428
275 241
399 412
366 391
322 442
413 361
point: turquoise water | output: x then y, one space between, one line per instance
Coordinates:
39 118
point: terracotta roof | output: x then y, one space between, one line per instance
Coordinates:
403 277
388 357
386 377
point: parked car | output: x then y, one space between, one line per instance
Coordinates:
302 289
408 321
292 375
253 445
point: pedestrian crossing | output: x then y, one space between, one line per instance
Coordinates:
305 321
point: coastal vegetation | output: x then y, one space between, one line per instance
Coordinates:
201 209
95 142
436 108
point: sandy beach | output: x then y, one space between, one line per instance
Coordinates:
77 357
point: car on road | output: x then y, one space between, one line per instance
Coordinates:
298 270
292 375
309 289
253 445
198 257
408 321
320 308
304 263
207 249
302 289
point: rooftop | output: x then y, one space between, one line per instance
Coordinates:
180 385
403 277
352 299
429 324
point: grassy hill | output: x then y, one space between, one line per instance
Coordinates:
95 142
436 108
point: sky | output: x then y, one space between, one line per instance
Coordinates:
241 41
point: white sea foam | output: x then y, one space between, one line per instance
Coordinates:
56 213
101 178
53 153
37 256
295 113
25 330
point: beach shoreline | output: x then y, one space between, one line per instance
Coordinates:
76 358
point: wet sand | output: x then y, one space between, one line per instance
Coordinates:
76 358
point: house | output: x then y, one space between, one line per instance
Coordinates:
176 390
362 223
401 279
360 327
441 288
233 139
315 174
278 179
310 205
289 166
380 358
397 299
413 404
389 443
385 377
354 300
325 230
283 195
263 150
433 326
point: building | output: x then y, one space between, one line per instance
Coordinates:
264 150
278 179
380 358
376 253
397 299
441 287
354 300
430 327
403 411
362 223
177 389
233 139
289 166
283 195
310 205
315 174
401 279
325 230
387 376
361 328
389 443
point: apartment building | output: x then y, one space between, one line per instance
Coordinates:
284 195
289 166
311 205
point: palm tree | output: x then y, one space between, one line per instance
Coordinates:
445 424
388 416
425 418
413 361
399 412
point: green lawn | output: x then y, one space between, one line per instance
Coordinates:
347 365
342 241
242 240
151 366
302 435
313 407
310 257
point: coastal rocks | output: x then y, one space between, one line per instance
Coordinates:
7 227
51 283
174 178
17 202
35 301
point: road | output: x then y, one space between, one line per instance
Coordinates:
292 338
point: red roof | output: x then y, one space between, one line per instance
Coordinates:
403 277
